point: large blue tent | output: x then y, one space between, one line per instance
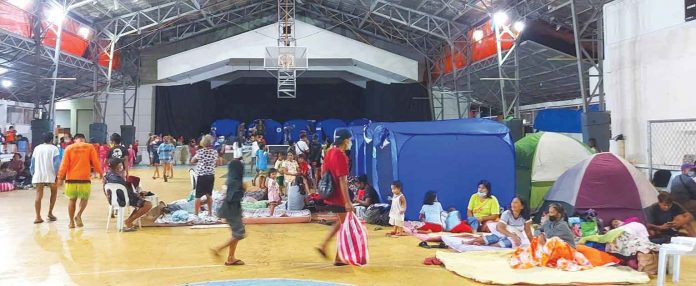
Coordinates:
327 127
357 152
273 131
297 126
225 127
449 157
359 122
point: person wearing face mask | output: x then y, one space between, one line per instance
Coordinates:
683 188
554 224
483 207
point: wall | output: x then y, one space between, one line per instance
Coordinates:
649 68
23 128
73 106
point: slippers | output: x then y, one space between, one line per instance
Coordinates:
428 261
233 263
336 263
424 244
214 252
52 218
130 229
390 233
78 221
38 221
71 225
322 252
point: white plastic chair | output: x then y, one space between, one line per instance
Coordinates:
120 211
194 178
677 247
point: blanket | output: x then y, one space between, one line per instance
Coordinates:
478 265
555 253
604 238
463 244
411 226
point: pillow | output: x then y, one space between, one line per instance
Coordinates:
597 257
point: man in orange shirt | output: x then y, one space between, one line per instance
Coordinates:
78 160
10 140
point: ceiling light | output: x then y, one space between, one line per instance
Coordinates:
21 4
6 83
83 32
478 35
56 15
3 70
500 18
518 26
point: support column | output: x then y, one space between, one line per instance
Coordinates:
455 88
56 63
578 55
36 34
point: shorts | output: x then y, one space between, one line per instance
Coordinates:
280 180
204 186
166 161
433 227
78 190
234 219
335 209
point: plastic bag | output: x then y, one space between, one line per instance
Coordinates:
352 241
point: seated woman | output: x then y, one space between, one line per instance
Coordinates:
135 200
367 195
511 230
553 245
7 177
483 207
668 219
431 214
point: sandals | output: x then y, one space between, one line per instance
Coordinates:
432 261
424 244
130 229
234 263
37 221
52 218
78 221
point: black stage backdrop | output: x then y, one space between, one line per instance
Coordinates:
189 110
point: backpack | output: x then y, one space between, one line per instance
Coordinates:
325 186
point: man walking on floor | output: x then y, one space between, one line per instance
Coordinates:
44 165
78 160
336 162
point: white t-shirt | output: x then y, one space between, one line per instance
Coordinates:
237 150
44 171
301 147
254 148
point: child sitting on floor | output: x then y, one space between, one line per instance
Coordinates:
398 209
431 214
273 190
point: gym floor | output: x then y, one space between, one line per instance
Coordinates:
51 254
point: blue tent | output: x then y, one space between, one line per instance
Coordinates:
357 152
327 127
297 125
273 131
368 131
225 127
564 120
359 122
449 157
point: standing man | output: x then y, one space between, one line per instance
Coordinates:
336 162
120 152
44 165
302 146
78 160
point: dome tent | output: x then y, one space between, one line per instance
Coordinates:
357 152
540 158
225 127
297 126
606 183
273 131
448 156
359 122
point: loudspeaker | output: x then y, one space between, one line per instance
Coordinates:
97 132
597 125
127 134
516 127
39 127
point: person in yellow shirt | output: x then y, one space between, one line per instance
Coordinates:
483 207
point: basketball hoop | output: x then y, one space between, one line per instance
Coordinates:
285 58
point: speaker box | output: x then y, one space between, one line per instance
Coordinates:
127 134
516 127
39 127
97 132
597 125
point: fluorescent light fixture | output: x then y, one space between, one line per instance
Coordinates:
478 35
6 83
500 18
60 78
83 32
518 26
55 15
21 4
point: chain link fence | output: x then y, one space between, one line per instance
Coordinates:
671 143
